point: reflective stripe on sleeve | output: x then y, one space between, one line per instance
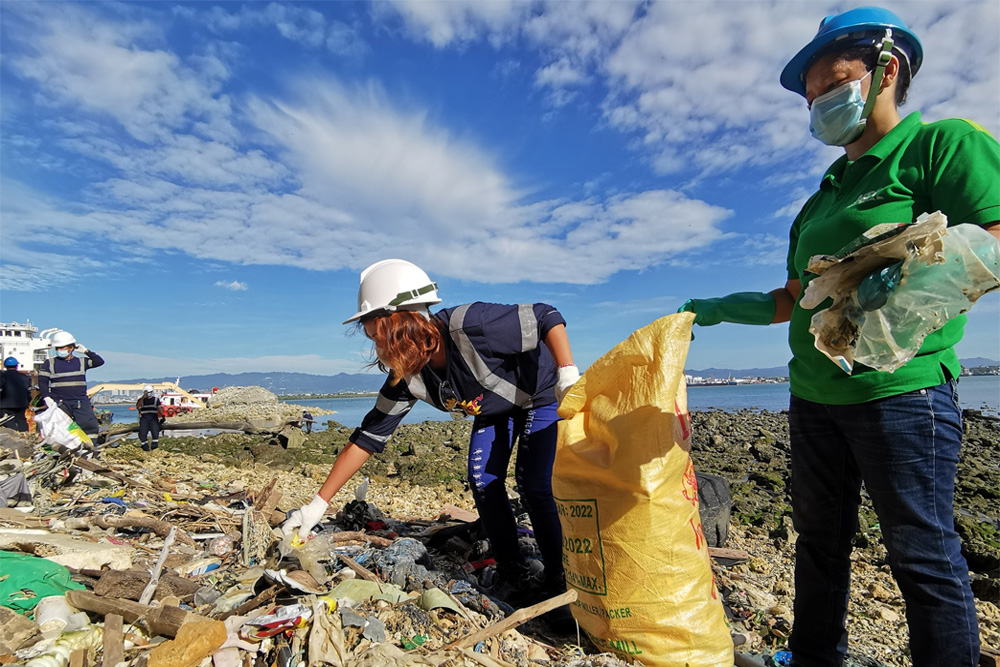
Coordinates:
390 407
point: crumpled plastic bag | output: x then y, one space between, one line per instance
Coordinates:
58 428
627 498
35 578
944 271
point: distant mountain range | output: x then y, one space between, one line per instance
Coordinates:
304 383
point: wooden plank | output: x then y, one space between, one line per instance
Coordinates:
359 569
251 604
164 620
114 640
517 618
728 554
78 658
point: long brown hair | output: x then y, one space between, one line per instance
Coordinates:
406 340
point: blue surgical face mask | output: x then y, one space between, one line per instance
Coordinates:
62 354
835 117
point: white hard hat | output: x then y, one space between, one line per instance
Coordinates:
148 388
394 284
62 339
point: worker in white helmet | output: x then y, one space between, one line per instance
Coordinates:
150 410
505 365
63 378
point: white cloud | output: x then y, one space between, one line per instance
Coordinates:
302 25
324 168
458 21
697 83
97 64
234 285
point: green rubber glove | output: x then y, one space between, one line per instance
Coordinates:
741 308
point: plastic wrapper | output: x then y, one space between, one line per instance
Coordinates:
58 428
942 272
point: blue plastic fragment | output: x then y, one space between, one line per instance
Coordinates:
113 501
783 658
480 647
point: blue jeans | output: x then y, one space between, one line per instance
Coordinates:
905 450
490 449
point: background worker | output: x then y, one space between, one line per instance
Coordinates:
307 421
15 395
150 414
505 365
63 378
898 433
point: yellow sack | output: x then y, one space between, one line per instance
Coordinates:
627 496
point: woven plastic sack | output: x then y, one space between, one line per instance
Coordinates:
58 428
627 497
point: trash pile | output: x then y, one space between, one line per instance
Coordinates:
248 404
110 562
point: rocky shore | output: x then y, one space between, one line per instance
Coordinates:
424 467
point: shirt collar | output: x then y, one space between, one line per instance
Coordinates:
878 152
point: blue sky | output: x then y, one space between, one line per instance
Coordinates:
194 188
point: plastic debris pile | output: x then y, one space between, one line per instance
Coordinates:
107 563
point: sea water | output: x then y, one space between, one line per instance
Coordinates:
981 392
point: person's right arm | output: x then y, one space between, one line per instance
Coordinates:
393 402
348 462
784 300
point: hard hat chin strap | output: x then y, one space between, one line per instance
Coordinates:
403 297
884 56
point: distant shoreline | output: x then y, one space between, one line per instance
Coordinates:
343 394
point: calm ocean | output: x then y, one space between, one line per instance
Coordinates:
980 393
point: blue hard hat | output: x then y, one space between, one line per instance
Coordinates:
10 361
855 27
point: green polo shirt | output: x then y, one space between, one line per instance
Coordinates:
952 166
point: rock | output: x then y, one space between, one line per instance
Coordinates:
887 614
880 592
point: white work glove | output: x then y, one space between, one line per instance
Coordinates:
305 517
566 377
82 349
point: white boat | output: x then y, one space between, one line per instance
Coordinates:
22 342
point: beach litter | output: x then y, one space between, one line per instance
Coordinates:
159 573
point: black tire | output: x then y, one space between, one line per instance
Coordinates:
715 504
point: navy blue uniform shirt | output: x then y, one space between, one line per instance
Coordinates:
496 362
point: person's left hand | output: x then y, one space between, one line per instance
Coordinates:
566 377
82 349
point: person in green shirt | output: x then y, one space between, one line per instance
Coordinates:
898 433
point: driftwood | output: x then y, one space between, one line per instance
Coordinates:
161 528
357 536
359 569
147 592
728 554
517 618
129 584
163 620
251 604
244 426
